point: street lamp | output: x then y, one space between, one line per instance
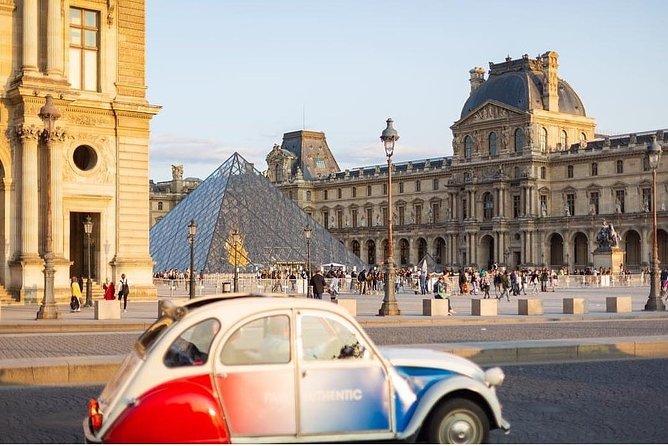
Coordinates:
236 239
308 232
654 302
192 231
389 306
49 114
88 229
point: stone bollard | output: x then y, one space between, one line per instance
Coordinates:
528 307
349 304
484 307
574 305
435 307
107 309
618 304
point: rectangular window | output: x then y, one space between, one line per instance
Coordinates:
84 49
320 163
308 195
401 187
354 217
339 193
369 217
570 203
353 192
620 166
339 219
619 201
516 206
418 186
465 206
593 203
325 219
645 163
384 188
594 169
324 194
402 215
384 213
368 191
646 200
418 214
434 184
569 171
435 213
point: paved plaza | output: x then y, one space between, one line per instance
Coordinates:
78 348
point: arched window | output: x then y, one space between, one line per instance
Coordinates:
356 248
542 139
159 205
371 252
404 249
519 140
583 139
492 144
488 206
563 139
468 147
278 173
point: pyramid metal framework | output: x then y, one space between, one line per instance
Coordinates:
237 196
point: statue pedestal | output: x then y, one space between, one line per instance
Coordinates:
609 258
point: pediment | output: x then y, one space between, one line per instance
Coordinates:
490 111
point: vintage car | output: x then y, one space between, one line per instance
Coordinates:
268 369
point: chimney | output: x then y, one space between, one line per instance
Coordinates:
551 81
477 78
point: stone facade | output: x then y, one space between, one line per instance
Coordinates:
528 184
165 195
89 55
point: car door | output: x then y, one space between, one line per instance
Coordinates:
343 386
255 377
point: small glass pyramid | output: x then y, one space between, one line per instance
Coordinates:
271 227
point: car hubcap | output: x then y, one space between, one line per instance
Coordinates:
459 428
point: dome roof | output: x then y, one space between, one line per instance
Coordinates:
519 84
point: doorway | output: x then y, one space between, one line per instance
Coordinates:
79 245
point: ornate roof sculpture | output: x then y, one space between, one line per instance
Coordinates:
525 84
237 196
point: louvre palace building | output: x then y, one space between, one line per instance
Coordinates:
74 146
529 183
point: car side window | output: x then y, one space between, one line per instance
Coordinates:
327 339
262 341
192 347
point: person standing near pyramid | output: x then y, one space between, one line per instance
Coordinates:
318 284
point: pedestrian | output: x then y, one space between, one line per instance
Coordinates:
123 291
109 290
505 286
75 300
441 291
484 284
361 279
318 284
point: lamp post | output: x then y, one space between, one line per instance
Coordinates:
49 114
308 232
389 306
236 238
654 302
192 231
88 229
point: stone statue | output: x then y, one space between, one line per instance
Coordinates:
645 205
543 209
607 237
177 171
618 206
567 211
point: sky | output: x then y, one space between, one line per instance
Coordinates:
235 75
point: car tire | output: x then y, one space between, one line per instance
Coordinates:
458 421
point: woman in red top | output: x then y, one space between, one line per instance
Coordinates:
109 291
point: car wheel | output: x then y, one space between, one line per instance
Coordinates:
458 421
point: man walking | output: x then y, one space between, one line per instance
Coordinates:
318 284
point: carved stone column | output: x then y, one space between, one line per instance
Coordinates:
54 53
30 34
57 138
29 137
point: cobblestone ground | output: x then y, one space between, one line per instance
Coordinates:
54 345
587 402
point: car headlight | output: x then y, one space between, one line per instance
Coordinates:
494 376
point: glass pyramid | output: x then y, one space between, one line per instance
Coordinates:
271 227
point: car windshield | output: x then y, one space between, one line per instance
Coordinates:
148 338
